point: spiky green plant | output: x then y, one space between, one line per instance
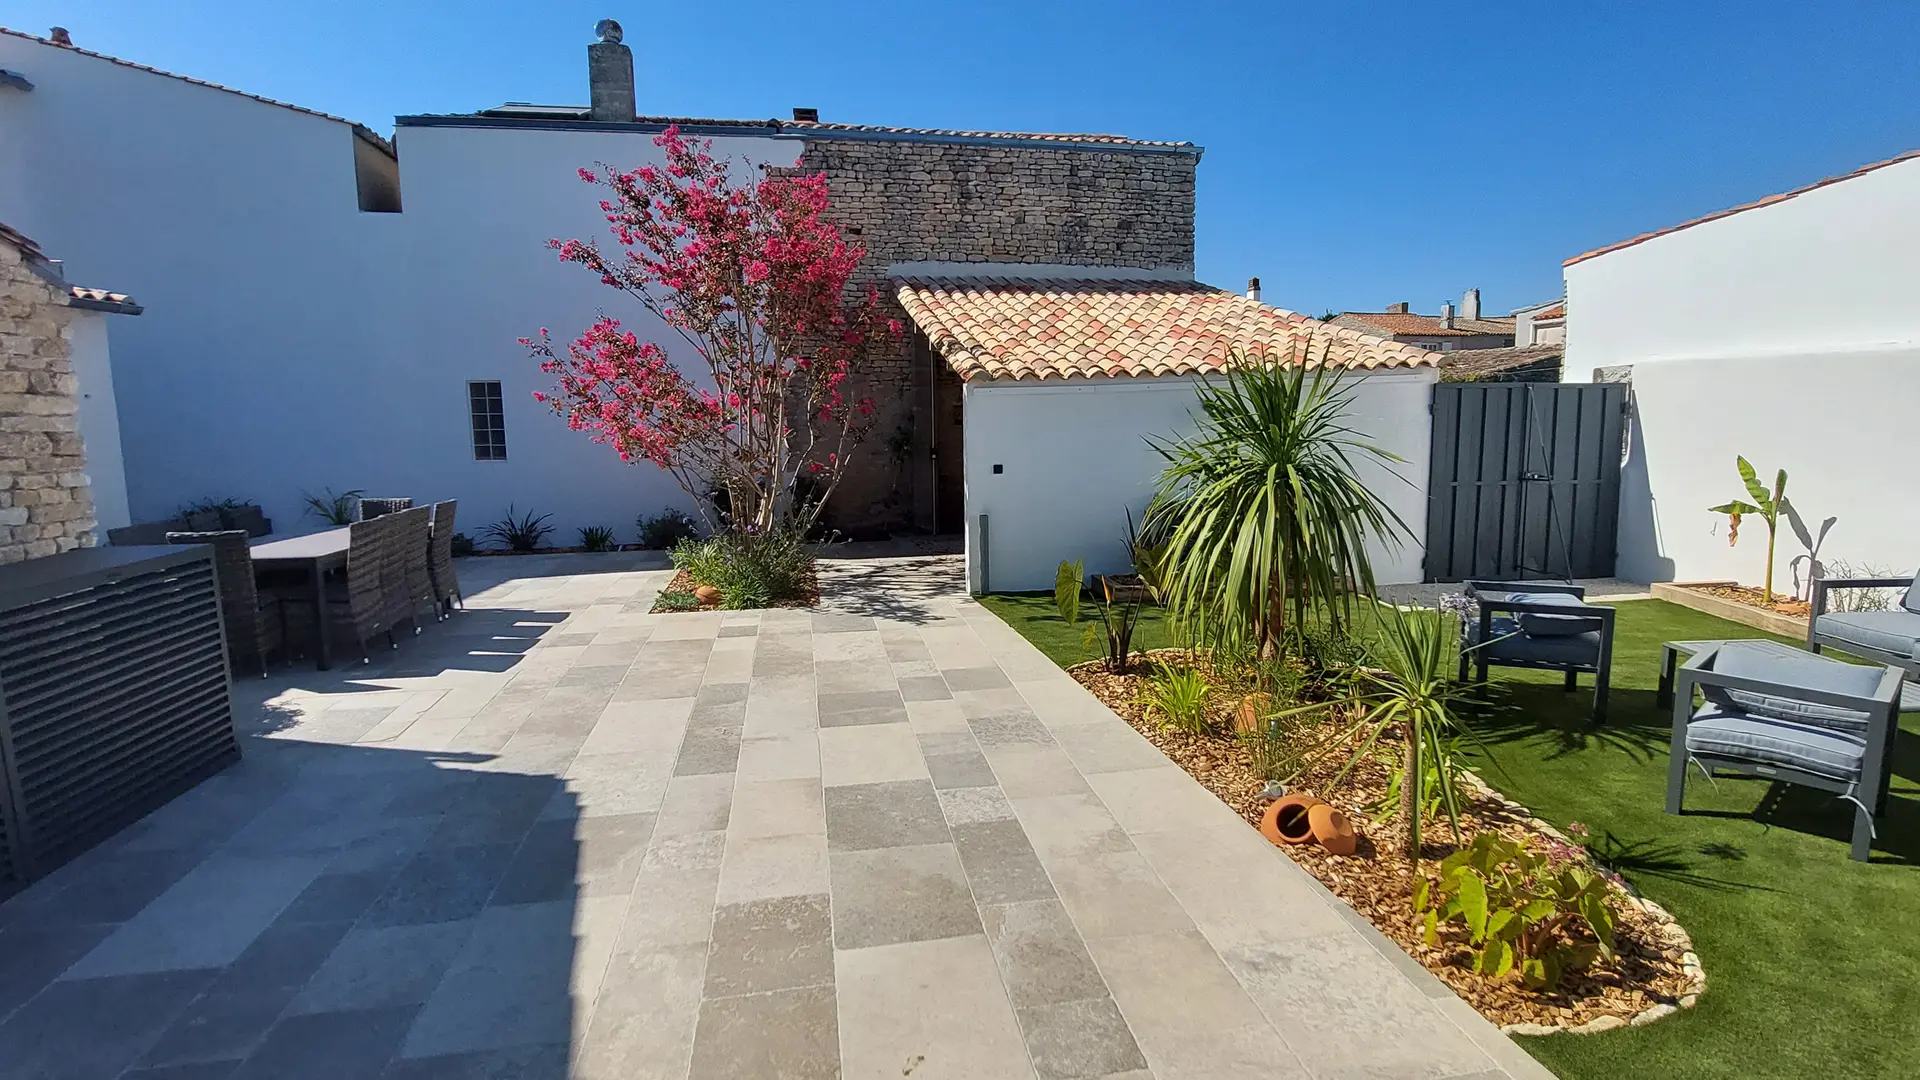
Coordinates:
1180 696
1264 508
1765 506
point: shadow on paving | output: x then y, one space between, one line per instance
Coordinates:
893 589
478 639
314 911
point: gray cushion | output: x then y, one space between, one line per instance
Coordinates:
1787 672
1896 632
1509 644
1554 625
1768 741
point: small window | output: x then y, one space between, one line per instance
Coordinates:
489 421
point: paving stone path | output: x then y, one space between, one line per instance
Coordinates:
558 836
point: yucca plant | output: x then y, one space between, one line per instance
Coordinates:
521 533
1765 505
1263 507
1180 696
597 538
331 508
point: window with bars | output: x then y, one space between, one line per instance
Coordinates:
489 415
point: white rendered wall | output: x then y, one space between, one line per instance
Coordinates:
1840 423
1075 459
1832 269
99 418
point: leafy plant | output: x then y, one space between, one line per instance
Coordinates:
463 544
1119 603
1280 748
1439 780
751 570
331 508
597 538
1263 506
1765 505
522 533
1068 580
664 530
1410 693
1180 696
677 600
1522 910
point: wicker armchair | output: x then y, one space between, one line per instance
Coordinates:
357 609
446 583
152 533
256 625
374 508
415 529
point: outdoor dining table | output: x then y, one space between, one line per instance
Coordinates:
316 553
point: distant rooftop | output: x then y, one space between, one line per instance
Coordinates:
523 114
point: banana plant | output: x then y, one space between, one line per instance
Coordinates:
1765 506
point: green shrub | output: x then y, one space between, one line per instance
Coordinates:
1180 696
750 570
597 538
1522 910
677 600
666 529
331 508
462 544
522 533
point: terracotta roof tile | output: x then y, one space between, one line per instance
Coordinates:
519 111
1557 311
1393 322
1469 365
1755 205
1047 328
362 130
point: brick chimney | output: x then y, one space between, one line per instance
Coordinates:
1253 288
610 75
1397 309
1446 315
1470 304
59 36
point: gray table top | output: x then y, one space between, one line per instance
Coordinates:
314 545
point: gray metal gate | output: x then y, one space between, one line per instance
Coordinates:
1525 480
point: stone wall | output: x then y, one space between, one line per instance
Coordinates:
46 506
981 203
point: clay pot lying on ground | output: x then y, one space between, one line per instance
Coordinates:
1303 819
706 594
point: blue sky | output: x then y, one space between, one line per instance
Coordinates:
1357 153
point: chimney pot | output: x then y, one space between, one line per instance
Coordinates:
1397 309
1446 315
1253 288
806 116
59 36
610 75
1470 304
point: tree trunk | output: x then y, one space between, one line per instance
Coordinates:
1410 791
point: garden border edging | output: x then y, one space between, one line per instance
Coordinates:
1686 595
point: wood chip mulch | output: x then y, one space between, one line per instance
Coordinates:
683 583
1377 880
1783 604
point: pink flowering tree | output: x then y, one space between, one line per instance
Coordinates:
752 394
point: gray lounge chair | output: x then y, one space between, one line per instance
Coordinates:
1889 637
1539 624
1810 721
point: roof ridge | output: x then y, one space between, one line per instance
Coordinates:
360 129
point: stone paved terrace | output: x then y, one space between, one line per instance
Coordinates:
558 836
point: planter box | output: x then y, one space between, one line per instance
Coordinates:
1792 627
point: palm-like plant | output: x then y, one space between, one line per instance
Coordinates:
1263 508
1766 505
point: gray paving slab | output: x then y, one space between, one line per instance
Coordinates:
560 837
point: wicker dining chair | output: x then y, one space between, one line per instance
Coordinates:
256 624
446 583
363 612
374 508
415 528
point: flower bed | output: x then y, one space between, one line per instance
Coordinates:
1654 970
683 583
1782 603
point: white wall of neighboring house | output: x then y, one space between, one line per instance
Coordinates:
1787 333
1075 458
292 342
99 417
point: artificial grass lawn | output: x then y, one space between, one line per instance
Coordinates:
1812 960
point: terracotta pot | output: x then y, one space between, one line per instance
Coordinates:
1331 829
1285 822
1246 716
706 594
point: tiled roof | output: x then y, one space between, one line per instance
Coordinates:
1427 325
20 240
573 114
359 129
1768 201
1468 365
1009 328
42 267
1557 311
